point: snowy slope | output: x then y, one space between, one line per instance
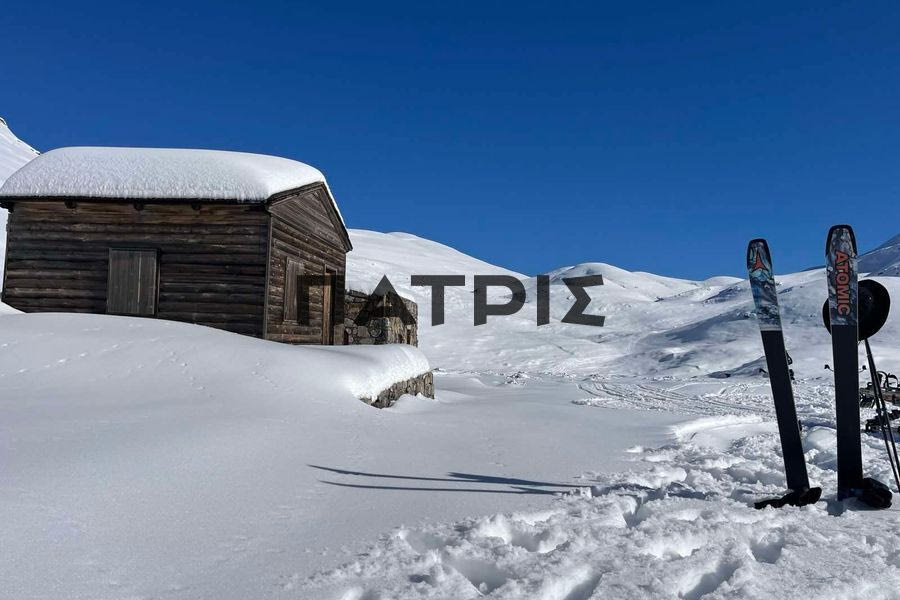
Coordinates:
883 260
655 326
13 154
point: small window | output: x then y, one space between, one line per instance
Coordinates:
132 284
291 297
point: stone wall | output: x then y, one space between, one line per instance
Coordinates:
385 319
388 319
421 384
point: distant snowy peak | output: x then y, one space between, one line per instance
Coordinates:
400 255
644 286
883 260
13 152
650 286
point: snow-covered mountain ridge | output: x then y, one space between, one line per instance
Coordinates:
655 326
883 260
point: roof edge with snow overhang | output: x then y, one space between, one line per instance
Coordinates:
160 174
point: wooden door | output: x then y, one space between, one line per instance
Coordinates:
132 282
328 308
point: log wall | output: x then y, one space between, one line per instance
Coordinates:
303 229
212 261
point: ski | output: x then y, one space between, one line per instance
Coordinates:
840 265
765 298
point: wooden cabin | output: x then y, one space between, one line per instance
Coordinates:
207 237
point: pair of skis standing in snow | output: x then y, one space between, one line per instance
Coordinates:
842 317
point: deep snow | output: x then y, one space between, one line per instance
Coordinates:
678 522
146 458
153 459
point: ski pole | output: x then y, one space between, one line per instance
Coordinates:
885 420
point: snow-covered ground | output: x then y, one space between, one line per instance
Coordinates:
145 458
150 459
678 522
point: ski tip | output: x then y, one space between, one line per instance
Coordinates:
755 247
756 243
833 229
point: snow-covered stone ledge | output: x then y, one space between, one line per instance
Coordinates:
384 373
419 385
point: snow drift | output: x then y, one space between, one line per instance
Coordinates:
140 451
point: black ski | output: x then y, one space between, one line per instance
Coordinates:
840 265
765 297
843 322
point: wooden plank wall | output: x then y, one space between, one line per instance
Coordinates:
212 262
301 229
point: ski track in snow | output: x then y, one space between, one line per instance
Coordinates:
680 524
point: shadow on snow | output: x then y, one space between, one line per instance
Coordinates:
516 485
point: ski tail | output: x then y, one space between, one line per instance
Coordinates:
843 306
765 298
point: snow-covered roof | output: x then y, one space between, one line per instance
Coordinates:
158 173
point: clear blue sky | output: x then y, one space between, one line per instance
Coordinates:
657 137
